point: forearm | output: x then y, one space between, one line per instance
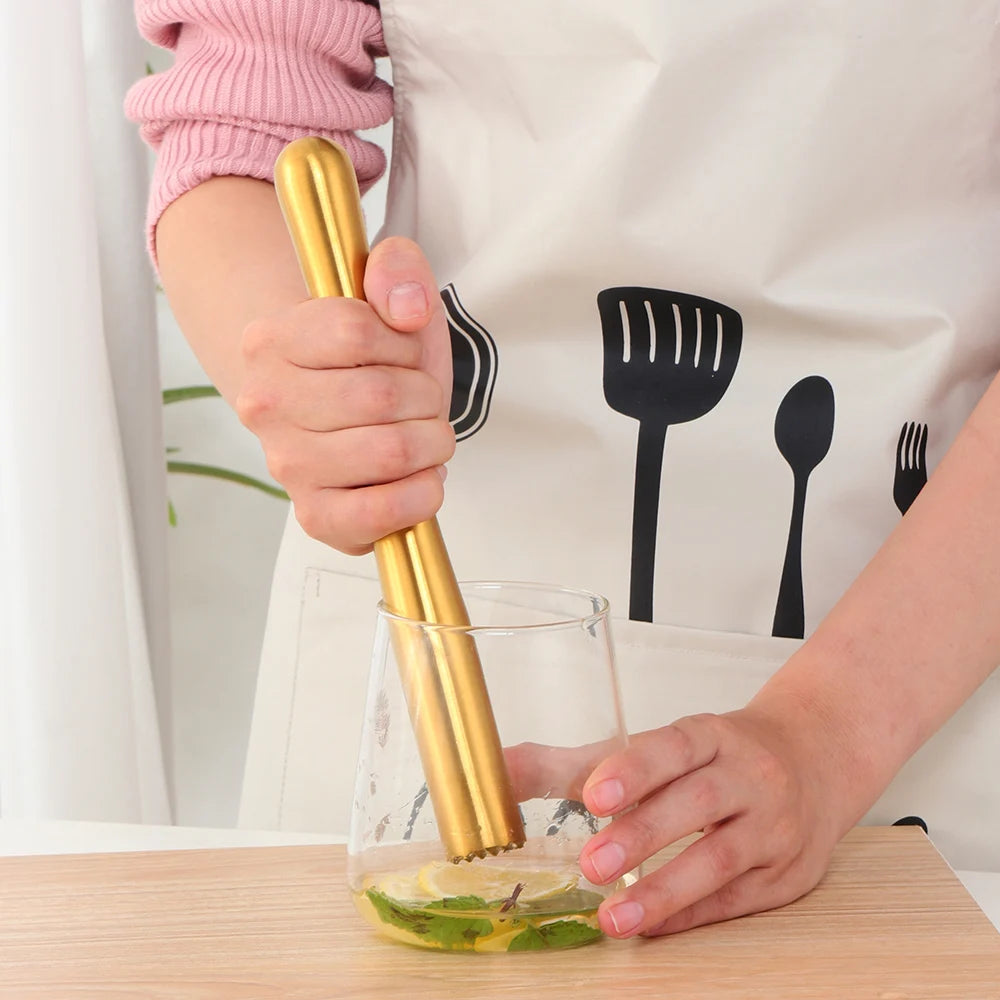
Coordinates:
225 259
217 123
917 632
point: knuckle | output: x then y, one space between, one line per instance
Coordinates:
373 513
394 451
332 311
730 897
426 390
353 334
645 835
402 245
283 466
314 519
354 327
398 253
331 522
719 725
253 406
259 336
310 518
807 875
725 731
435 394
435 495
681 921
707 797
449 441
706 719
381 395
723 859
658 896
784 836
681 745
772 772
352 548
786 884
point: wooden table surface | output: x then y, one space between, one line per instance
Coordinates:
889 922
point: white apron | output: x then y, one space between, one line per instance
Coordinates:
763 232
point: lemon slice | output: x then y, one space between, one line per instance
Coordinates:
498 940
404 887
493 883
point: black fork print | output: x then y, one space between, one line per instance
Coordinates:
668 358
911 465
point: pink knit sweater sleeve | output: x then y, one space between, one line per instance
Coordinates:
248 77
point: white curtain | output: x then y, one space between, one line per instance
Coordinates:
83 623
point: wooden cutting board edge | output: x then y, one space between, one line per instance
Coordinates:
877 871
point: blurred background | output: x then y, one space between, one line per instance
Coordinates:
128 646
220 555
221 552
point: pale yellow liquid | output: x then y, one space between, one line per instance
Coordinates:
565 920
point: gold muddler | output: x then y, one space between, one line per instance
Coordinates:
446 693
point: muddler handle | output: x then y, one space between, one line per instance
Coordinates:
443 679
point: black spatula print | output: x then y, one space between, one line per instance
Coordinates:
669 358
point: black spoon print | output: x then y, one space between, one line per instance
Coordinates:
668 358
803 430
911 465
474 362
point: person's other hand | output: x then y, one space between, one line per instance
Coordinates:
761 793
350 402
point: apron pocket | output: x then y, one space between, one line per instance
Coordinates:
336 632
667 672
309 709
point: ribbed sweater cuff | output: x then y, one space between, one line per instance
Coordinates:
193 151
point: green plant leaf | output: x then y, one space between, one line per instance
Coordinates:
188 392
558 934
447 931
171 514
215 472
462 903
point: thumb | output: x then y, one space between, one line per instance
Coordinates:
400 285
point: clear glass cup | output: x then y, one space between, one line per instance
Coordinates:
549 669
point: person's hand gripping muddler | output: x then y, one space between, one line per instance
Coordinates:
350 401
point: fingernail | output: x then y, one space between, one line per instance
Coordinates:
442 472
626 917
608 795
607 860
407 301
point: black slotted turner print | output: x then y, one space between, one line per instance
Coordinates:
669 358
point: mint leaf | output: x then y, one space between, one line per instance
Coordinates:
559 934
446 930
564 933
460 903
528 940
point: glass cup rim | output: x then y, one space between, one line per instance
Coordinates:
579 621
